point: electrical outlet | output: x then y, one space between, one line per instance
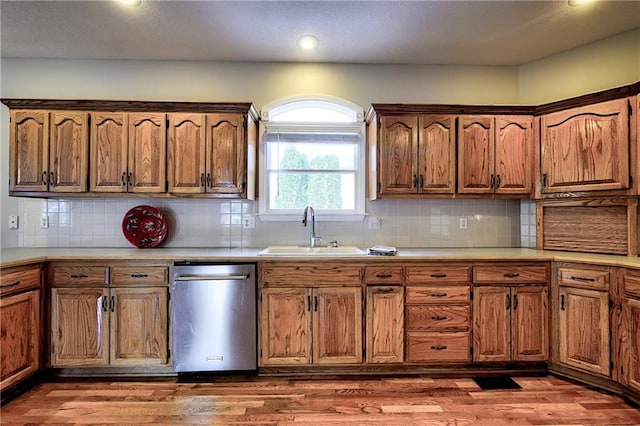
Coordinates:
44 221
463 223
13 222
374 222
248 222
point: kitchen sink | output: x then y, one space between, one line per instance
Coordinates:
311 251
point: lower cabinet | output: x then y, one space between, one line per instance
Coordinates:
310 326
19 324
385 324
631 329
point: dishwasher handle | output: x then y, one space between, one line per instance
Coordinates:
211 277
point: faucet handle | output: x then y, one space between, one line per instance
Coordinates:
334 243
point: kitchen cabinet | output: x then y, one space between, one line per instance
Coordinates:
586 148
631 330
583 331
49 151
510 313
109 315
385 315
208 153
20 323
494 154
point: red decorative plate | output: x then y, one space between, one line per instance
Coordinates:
144 226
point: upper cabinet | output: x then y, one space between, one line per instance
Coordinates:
49 151
586 148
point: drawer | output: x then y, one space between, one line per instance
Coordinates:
437 318
139 275
310 274
79 275
511 274
437 294
435 274
383 274
632 283
440 347
15 280
590 278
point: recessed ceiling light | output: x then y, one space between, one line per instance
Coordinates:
130 3
308 42
578 3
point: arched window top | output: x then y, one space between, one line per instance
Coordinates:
312 109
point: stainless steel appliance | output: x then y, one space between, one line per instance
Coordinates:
213 315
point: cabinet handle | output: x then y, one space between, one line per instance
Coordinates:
508 302
124 178
415 181
511 275
13 284
562 302
315 303
493 181
104 303
139 275
384 290
515 301
44 178
544 180
129 179
438 347
51 178
209 180
384 275
78 276
202 181
438 294
438 275
438 318
498 180
112 304
421 181
309 303
583 279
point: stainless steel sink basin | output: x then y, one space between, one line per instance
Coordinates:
311 251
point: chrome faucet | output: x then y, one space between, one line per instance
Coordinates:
313 238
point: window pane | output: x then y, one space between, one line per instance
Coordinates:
322 190
314 155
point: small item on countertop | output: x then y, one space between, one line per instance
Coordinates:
379 250
144 226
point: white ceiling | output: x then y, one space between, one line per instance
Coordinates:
389 32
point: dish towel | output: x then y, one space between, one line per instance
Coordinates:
379 250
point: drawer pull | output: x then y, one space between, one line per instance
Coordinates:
562 302
438 294
438 347
438 318
13 284
438 275
511 275
583 279
384 275
139 275
384 290
79 276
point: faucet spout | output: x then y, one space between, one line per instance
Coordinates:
313 238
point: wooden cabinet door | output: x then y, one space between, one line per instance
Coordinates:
29 150
69 151
385 324
285 326
79 327
529 329
337 325
398 155
138 326
147 152
108 147
584 329
513 154
475 154
19 337
632 325
491 324
226 154
437 154
586 148
186 153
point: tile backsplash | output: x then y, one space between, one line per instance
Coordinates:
218 223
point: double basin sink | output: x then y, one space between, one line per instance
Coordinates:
311 251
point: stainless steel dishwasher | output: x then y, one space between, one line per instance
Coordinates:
213 315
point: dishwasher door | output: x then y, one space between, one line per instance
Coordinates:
213 315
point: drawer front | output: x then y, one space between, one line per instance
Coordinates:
430 275
15 280
632 283
437 318
440 347
383 275
80 275
511 274
292 274
139 275
589 278
437 294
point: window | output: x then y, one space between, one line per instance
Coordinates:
311 154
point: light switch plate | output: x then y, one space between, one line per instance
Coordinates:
44 221
13 222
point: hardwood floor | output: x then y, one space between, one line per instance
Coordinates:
278 401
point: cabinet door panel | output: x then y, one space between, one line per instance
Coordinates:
337 325
586 148
491 324
584 329
529 330
79 327
436 156
632 364
385 324
398 155
29 146
187 157
108 143
138 326
514 143
147 152
285 326
226 154
69 152
475 154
